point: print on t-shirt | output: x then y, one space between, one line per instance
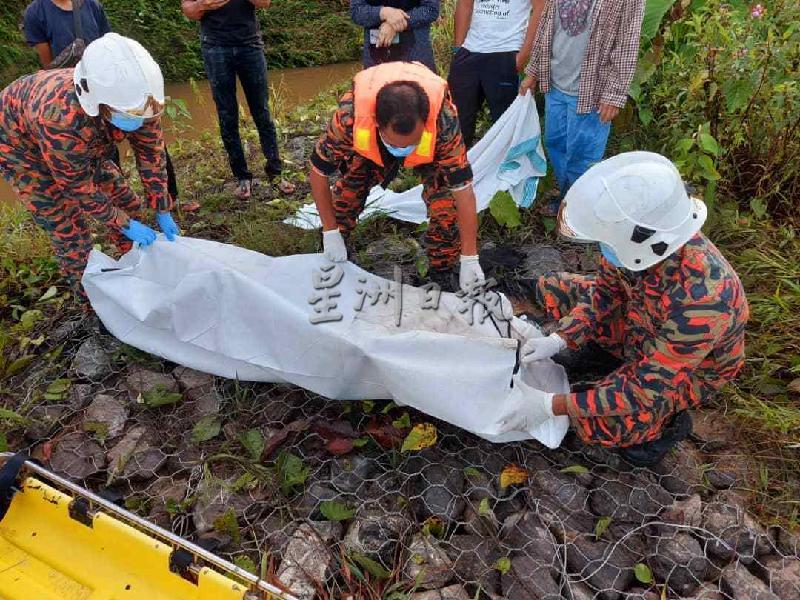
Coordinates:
574 15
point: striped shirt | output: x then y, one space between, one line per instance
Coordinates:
611 57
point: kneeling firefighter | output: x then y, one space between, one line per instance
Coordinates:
664 302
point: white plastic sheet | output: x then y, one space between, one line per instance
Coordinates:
239 314
509 157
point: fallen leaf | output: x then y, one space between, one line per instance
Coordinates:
403 422
386 436
336 511
483 508
339 446
512 475
277 440
374 568
643 573
190 207
577 469
253 442
360 442
206 429
433 526
50 293
334 429
602 525
421 436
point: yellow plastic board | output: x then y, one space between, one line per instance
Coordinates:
46 554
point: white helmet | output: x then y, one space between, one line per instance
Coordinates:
637 204
118 72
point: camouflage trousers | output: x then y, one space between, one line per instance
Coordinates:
442 239
557 294
64 219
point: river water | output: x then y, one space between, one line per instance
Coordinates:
289 87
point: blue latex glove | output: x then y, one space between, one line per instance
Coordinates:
141 234
167 224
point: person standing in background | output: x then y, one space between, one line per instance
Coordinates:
583 59
51 27
491 45
232 47
396 30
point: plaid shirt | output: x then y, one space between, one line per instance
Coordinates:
610 61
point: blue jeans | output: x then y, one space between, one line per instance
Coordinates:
574 142
223 64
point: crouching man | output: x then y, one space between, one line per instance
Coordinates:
664 301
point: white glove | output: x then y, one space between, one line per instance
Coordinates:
333 246
525 409
471 273
543 347
523 330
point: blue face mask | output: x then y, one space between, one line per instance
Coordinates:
611 256
398 152
126 122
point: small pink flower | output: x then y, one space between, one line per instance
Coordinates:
757 11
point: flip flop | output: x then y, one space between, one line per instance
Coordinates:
244 189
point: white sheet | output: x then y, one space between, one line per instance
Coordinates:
509 157
239 314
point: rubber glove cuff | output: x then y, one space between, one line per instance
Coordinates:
333 246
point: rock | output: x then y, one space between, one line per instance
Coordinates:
681 470
687 512
274 531
608 568
529 580
525 533
105 417
706 591
474 523
314 495
348 475
474 559
77 457
726 472
376 535
783 575
94 359
206 404
539 260
637 593
628 498
788 543
141 381
144 463
453 592
427 564
677 559
194 384
578 591
738 583
308 558
166 489
298 149
384 254
561 501
435 487
732 533
119 455
710 432
44 418
216 498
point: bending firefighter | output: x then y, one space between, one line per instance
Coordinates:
664 301
399 114
58 131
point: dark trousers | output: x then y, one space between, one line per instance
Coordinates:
475 77
223 64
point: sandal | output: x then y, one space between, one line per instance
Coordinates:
244 189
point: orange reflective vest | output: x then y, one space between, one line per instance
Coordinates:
366 86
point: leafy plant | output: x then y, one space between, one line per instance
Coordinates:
336 511
206 428
291 472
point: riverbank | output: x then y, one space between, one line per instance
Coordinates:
296 34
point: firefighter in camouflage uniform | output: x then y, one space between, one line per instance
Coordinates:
664 301
58 131
399 115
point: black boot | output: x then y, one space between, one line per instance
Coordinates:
648 454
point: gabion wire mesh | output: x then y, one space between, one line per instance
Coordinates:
319 497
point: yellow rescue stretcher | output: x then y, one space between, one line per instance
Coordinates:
59 541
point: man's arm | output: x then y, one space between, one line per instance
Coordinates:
462 20
147 144
624 56
195 9
44 52
467 214
261 3
537 6
365 15
424 14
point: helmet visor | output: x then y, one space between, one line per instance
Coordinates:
151 109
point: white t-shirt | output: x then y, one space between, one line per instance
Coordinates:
498 25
